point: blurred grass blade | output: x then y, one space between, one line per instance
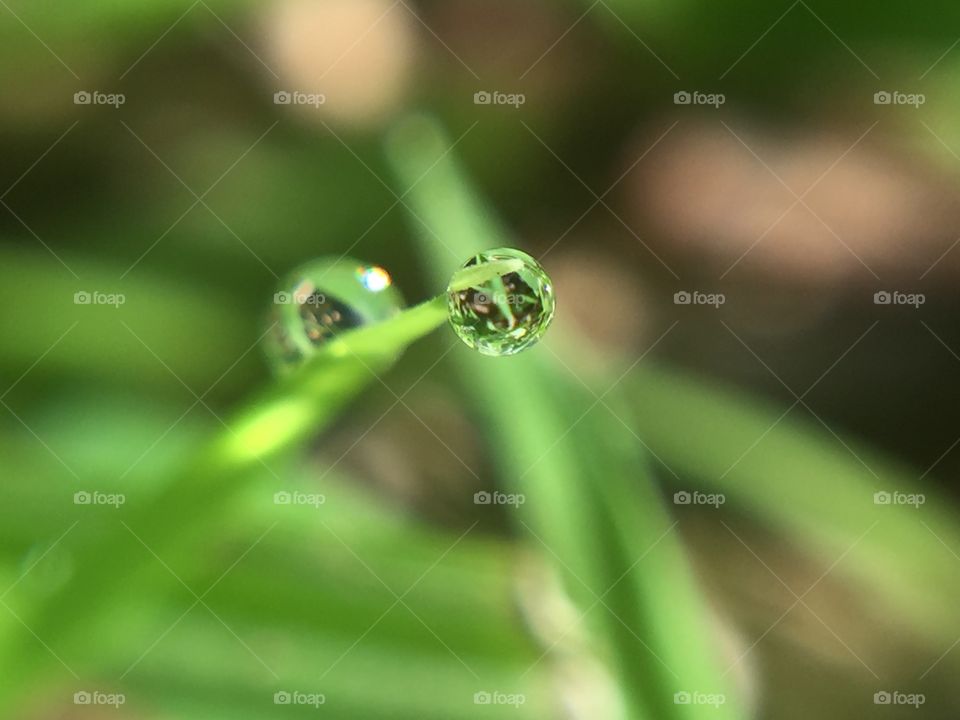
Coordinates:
191 509
181 318
799 480
590 505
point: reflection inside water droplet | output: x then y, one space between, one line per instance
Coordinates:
322 299
508 313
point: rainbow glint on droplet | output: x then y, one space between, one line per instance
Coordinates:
374 278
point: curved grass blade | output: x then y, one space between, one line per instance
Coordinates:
192 509
589 501
799 480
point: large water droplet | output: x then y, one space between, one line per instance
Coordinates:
321 299
504 314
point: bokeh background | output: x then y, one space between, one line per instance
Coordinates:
777 165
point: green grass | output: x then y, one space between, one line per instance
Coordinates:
593 459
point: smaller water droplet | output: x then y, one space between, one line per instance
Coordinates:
321 299
505 314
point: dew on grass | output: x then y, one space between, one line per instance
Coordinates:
507 313
321 299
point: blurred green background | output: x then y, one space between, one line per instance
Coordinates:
731 460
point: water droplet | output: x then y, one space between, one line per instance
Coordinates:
321 299
505 314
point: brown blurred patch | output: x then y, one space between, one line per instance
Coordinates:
602 307
721 197
425 459
358 53
501 40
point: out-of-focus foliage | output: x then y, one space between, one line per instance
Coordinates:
203 595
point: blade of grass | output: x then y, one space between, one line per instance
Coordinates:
187 514
799 480
180 318
589 500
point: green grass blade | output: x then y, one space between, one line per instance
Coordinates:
193 507
589 500
799 480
